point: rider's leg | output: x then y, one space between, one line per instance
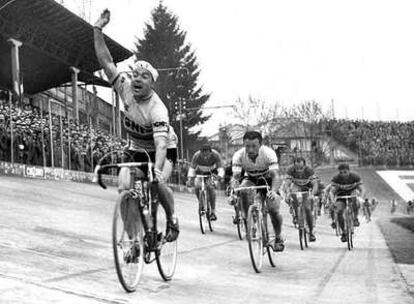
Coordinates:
355 209
212 197
309 218
246 196
197 188
167 201
340 207
277 221
129 210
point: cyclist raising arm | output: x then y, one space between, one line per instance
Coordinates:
346 183
205 162
146 119
259 163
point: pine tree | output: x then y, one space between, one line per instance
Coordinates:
164 46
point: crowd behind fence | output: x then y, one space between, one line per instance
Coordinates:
69 144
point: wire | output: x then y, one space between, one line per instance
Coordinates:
4 6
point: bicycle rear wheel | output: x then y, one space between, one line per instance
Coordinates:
128 241
269 236
202 211
166 253
255 237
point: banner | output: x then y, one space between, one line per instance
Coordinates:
32 171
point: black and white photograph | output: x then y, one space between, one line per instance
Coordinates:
208 152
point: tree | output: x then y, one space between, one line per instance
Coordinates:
164 45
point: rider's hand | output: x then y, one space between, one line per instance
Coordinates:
103 19
158 176
190 182
234 183
272 195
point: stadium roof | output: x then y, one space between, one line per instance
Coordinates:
54 39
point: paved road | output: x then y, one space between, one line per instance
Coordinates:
55 248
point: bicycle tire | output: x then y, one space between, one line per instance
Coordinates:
255 237
348 230
208 214
128 272
166 253
270 238
202 213
301 228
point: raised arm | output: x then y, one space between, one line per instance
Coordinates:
101 50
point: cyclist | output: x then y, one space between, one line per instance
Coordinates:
320 195
300 177
146 120
205 161
367 209
259 163
345 183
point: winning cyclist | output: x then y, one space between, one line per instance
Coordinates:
300 177
259 162
346 183
205 162
146 120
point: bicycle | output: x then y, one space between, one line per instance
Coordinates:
299 213
258 237
348 219
139 228
204 210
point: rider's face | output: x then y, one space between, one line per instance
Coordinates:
141 83
299 165
252 147
205 153
344 173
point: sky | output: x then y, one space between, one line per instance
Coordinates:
357 54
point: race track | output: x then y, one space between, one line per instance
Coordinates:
55 247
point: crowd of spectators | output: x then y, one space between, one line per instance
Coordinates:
32 140
377 143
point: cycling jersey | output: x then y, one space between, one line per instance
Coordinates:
346 184
144 120
265 161
301 178
205 165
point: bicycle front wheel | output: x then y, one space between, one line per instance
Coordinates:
301 229
255 237
166 253
349 225
128 241
202 210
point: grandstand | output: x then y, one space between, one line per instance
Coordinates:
48 117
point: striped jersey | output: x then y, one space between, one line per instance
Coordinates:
144 120
265 161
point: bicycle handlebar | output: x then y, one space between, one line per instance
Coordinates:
250 188
346 196
100 169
